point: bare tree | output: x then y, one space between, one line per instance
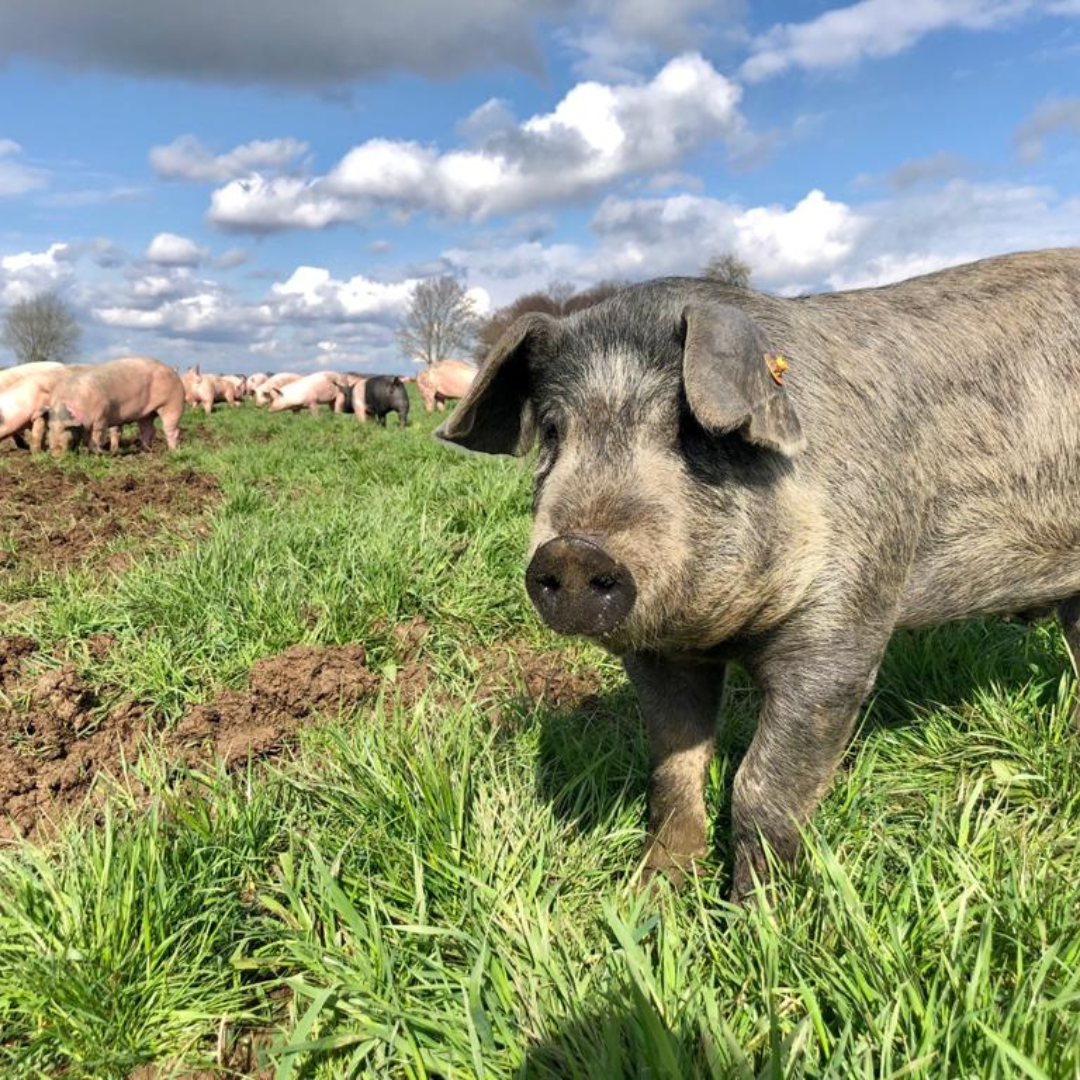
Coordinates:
41 328
728 269
441 321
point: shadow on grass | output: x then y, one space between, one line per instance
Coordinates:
626 1037
951 665
593 758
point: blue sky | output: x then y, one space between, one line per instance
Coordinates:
259 185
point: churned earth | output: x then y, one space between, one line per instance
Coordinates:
53 518
61 736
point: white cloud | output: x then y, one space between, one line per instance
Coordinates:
787 248
311 292
870 29
28 273
15 177
596 135
1052 116
185 158
168 249
817 243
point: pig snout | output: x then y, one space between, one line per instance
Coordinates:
578 588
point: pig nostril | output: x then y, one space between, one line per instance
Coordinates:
549 582
604 582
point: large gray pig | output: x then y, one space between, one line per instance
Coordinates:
727 474
86 404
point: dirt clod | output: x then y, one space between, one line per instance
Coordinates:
58 733
53 518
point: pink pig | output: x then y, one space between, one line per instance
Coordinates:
443 380
94 399
311 391
264 393
24 402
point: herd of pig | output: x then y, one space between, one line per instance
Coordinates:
89 404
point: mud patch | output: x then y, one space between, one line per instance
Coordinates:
52 518
58 733
283 691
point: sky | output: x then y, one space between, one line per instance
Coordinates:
259 184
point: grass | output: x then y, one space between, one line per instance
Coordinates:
433 893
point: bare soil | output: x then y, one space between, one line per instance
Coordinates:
59 734
53 518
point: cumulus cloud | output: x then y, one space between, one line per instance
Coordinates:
816 243
185 158
17 178
870 29
597 134
319 43
28 273
168 249
1057 114
313 293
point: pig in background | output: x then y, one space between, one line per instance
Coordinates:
204 391
384 394
24 399
443 381
321 388
724 474
264 392
352 382
87 404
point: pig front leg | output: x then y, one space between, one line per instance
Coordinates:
680 704
808 714
37 434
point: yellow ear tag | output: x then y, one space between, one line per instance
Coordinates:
777 365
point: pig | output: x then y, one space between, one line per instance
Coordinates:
321 388
237 382
384 394
264 391
24 402
353 384
253 382
724 474
10 375
444 380
203 391
85 403
19 371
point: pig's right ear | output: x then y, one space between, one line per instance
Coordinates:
731 380
495 416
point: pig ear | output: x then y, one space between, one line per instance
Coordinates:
732 381
495 416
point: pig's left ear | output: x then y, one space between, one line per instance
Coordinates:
495 416
732 381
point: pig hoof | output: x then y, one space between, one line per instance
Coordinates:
663 865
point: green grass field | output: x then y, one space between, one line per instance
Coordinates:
439 891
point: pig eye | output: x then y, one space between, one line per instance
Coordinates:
550 434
